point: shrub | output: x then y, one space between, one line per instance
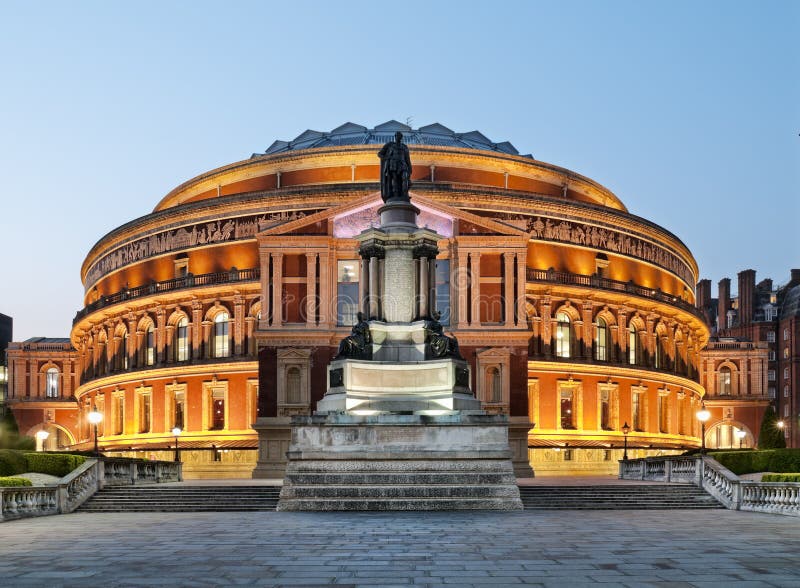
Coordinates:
25 443
749 462
55 464
8 481
770 436
12 462
780 478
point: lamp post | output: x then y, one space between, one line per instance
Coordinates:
703 415
41 437
177 431
625 430
95 417
741 435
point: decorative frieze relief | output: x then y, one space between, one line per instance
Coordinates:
205 233
552 229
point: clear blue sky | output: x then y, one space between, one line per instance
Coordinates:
688 111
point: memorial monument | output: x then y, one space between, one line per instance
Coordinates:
399 427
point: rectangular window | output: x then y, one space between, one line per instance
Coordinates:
144 413
119 414
568 409
771 392
605 410
786 334
771 336
771 356
217 410
568 455
636 411
663 414
786 391
178 417
443 290
786 373
347 292
771 375
150 347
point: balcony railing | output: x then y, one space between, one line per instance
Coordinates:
595 281
189 281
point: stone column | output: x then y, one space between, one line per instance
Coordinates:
324 289
522 309
374 293
311 290
424 290
207 339
197 328
238 325
132 342
461 289
547 335
364 289
249 326
277 287
508 289
588 329
264 259
161 335
475 282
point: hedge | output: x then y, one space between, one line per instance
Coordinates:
55 464
767 460
9 481
780 478
12 462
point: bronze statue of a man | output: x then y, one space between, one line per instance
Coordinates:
357 345
395 169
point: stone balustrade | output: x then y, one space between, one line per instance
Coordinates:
706 473
79 485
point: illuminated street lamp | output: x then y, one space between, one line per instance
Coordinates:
703 415
625 430
175 432
780 424
741 435
41 437
95 417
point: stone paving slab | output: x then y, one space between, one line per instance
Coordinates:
662 549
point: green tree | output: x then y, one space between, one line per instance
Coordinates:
771 436
9 431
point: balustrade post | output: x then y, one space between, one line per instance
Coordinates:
134 472
61 498
698 472
667 470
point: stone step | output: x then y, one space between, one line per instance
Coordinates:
415 466
391 492
410 478
405 504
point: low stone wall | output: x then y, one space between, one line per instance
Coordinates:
706 473
80 484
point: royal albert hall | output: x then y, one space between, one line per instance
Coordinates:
218 312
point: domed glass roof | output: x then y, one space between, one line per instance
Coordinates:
353 134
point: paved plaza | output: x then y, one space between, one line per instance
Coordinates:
565 548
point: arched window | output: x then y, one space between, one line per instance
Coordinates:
221 346
601 341
633 344
150 346
51 387
724 381
563 333
293 386
182 339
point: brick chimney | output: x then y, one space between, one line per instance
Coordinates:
724 304
703 293
795 276
747 290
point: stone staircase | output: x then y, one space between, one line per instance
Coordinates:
389 485
616 497
162 498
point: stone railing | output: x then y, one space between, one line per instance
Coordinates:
78 486
120 472
706 473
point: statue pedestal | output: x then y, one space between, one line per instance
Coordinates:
399 462
433 387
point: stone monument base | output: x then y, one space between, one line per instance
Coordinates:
399 462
